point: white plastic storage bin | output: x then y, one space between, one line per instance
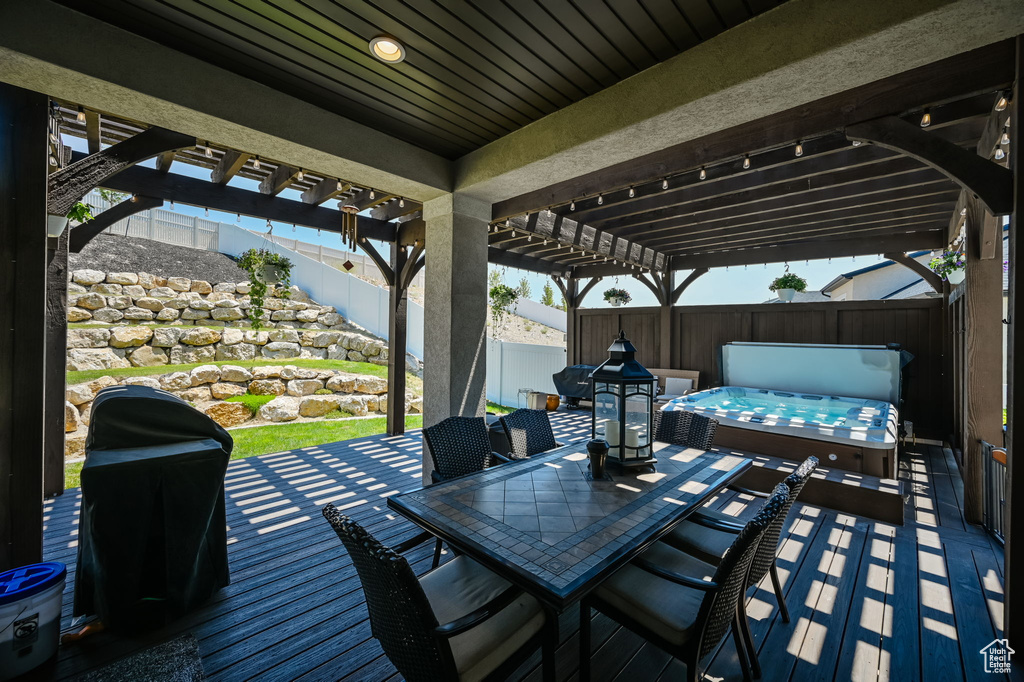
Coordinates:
30 602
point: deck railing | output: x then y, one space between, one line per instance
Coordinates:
995 489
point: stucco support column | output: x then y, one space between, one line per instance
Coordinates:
455 310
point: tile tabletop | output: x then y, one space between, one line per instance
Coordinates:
544 524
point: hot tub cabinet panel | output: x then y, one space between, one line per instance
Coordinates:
871 461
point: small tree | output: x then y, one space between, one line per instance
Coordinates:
524 288
494 278
547 296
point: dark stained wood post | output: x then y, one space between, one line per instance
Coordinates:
398 320
55 383
1013 601
983 290
23 169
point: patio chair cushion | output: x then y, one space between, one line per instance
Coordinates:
460 586
667 609
705 543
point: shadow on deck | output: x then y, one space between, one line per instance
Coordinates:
869 601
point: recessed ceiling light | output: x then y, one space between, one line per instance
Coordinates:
387 49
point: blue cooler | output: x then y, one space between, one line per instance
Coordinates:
30 603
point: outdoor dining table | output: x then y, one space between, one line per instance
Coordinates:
546 526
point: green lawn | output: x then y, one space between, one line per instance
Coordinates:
413 382
261 440
499 409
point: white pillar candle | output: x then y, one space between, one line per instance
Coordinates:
611 432
632 439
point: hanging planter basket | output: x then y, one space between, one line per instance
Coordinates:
269 274
786 295
615 301
56 224
954 277
617 297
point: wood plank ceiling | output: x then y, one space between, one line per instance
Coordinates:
715 203
475 69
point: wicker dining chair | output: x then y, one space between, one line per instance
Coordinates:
707 535
687 429
529 433
666 597
457 622
459 446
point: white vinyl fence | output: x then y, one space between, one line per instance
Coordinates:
538 312
515 366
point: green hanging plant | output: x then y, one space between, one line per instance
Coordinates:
264 267
80 212
617 296
503 297
788 281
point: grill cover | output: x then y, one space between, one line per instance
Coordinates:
152 537
575 381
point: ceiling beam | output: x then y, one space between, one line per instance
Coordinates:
521 262
990 182
396 208
228 166
919 269
981 70
81 235
278 180
324 190
164 161
185 190
92 131
363 200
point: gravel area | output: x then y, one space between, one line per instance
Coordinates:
521 330
112 253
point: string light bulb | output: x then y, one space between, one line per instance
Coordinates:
207 212
300 176
926 119
857 143
632 192
172 204
401 202
703 174
600 199
1000 154
572 205
238 219
1005 139
746 162
81 115
256 163
664 183
1001 103
339 187
373 195
799 151
209 150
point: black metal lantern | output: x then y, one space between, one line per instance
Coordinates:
623 396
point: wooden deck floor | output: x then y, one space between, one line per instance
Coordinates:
869 601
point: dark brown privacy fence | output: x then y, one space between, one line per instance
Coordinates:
698 333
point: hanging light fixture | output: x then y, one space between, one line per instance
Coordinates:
172 204
1005 139
207 212
746 162
926 119
600 199
256 163
572 205
1001 103
664 183
301 176
401 202
799 151
81 115
703 174
373 195
1000 154
238 219
632 192
209 150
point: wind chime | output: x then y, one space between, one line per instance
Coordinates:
349 225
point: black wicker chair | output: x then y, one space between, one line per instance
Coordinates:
665 596
687 429
707 535
457 622
459 446
529 433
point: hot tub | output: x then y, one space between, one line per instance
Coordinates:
847 433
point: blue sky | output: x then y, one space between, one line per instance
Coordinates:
719 286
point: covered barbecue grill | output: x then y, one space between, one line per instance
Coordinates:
574 383
153 539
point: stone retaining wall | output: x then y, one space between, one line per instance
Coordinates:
205 323
295 390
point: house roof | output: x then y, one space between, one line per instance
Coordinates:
847 276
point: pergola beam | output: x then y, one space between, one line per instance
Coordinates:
83 234
990 182
278 180
70 184
92 131
324 190
919 269
396 208
173 187
228 166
